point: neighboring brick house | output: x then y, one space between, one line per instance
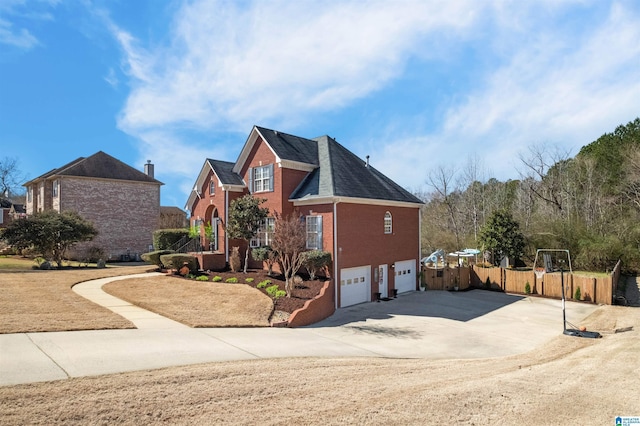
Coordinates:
369 224
123 203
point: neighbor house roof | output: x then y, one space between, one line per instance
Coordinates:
99 165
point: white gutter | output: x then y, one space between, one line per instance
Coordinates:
335 253
226 220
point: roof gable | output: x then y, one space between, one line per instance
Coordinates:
290 150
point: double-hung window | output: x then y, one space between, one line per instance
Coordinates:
264 236
261 178
212 187
55 189
314 232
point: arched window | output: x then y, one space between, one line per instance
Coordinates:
388 223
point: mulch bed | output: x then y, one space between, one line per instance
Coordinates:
308 290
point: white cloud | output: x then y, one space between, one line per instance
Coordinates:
555 87
17 14
234 67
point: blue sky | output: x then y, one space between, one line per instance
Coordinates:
416 85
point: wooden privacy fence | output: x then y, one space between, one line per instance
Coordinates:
599 290
446 278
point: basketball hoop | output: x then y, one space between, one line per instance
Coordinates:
539 273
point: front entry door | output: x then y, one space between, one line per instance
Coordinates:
383 281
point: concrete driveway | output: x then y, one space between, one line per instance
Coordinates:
433 324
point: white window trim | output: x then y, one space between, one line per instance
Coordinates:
314 237
212 187
261 178
388 223
264 236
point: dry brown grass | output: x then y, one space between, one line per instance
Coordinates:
567 381
196 303
33 300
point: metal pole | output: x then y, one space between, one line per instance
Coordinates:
564 315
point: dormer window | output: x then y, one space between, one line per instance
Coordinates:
388 223
212 187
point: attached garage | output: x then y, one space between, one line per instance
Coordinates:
405 275
355 285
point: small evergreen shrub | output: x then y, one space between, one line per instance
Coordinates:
578 294
231 280
202 278
153 257
263 284
316 261
271 291
216 279
165 238
527 288
177 260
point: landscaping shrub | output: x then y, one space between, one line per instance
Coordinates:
527 288
202 278
234 259
232 280
165 238
271 291
578 294
216 279
263 284
316 261
154 257
248 280
177 260
265 254
280 293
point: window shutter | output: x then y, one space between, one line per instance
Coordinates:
250 178
319 227
271 177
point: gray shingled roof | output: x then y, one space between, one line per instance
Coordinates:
100 165
224 171
343 174
290 147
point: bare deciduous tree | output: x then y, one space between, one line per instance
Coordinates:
10 177
289 242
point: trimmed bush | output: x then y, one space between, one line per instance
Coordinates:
176 260
153 257
578 294
232 280
527 288
202 278
216 279
316 261
271 291
263 284
280 293
165 238
248 280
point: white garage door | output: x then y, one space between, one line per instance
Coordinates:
405 275
355 285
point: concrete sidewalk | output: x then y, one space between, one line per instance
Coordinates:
474 324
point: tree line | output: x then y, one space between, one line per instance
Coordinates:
588 204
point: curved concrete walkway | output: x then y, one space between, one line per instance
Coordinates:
434 324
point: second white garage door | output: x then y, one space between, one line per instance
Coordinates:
405 275
355 285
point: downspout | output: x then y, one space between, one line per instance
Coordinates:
335 253
226 220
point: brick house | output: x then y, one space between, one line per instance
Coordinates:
123 203
369 224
